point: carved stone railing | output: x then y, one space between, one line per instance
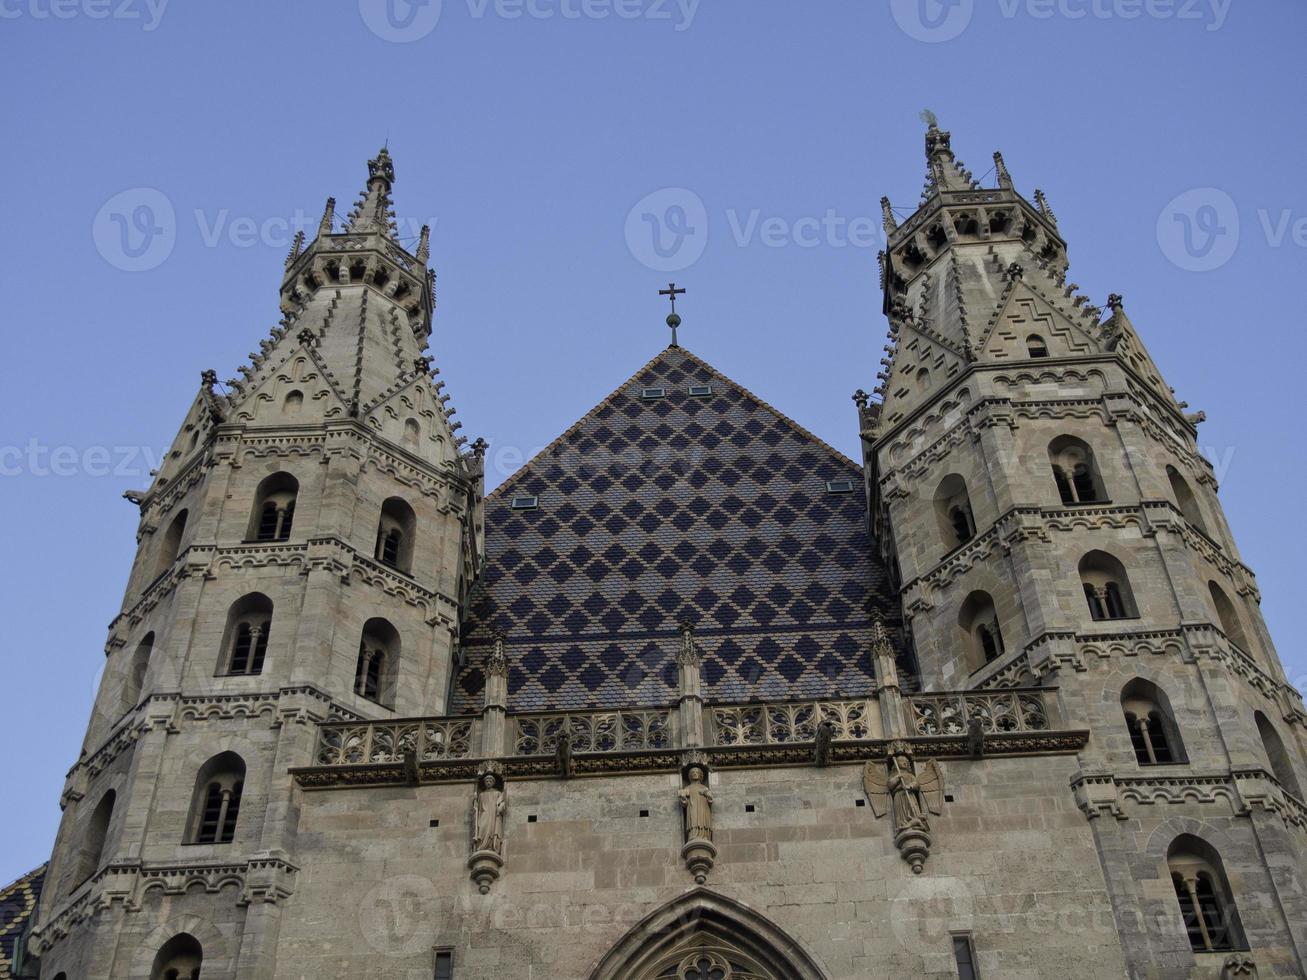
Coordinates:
363 743
779 724
998 711
594 731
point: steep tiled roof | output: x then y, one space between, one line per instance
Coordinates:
17 906
653 511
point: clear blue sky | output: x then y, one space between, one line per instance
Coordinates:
530 139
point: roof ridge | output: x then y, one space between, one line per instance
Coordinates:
588 416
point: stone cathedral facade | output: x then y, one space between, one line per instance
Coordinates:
692 696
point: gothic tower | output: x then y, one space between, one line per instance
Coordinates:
1039 492
303 555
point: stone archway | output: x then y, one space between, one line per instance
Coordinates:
706 936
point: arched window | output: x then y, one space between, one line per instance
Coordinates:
134 678
412 431
1075 471
245 641
957 525
1035 346
1231 625
1153 732
1281 764
1185 499
293 403
171 545
923 378
179 958
1206 906
978 620
395 534
374 673
91 850
274 508
217 801
1106 587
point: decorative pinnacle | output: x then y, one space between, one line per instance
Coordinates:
1004 178
1115 303
479 447
944 173
861 398
887 216
424 245
328 218
1041 202
373 213
296 247
209 378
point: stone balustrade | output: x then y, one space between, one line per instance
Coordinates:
998 712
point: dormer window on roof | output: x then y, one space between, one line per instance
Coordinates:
700 391
840 486
652 394
525 503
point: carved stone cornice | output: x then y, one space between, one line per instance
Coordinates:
1102 793
265 878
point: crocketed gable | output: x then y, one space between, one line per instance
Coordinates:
657 508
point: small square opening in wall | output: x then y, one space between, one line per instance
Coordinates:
530 818
525 503
749 808
859 802
700 391
948 797
840 486
434 823
644 813
652 394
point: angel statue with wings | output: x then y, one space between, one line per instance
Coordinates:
896 785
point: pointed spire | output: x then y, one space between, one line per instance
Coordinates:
887 216
372 212
328 218
1004 178
424 245
944 173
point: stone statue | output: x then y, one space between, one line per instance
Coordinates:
697 802
489 803
699 852
824 736
895 786
488 806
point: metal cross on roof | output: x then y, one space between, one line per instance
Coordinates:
673 320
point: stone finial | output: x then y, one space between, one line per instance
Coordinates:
373 214
1014 272
861 398
479 447
1115 303
422 365
307 338
209 378
497 662
1004 178
887 216
1041 202
328 218
296 247
687 654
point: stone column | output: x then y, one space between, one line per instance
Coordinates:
893 724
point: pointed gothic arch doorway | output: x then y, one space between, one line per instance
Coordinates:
706 936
